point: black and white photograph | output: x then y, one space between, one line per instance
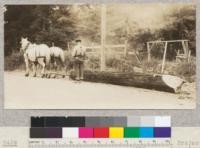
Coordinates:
100 56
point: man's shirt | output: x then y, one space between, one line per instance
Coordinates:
79 50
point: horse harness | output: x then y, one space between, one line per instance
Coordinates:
26 47
37 57
79 54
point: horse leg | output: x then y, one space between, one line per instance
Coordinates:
42 63
62 60
27 65
55 66
34 69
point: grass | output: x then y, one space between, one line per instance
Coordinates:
14 61
185 70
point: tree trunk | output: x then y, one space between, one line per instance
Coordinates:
166 83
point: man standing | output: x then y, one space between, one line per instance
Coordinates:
78 54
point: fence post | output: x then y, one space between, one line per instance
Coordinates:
148 52
125 48
164 57
103 36
68 48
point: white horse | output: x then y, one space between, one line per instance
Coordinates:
57 54
34 54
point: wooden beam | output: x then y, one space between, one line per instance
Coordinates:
106 46
168 41
149 52
188 51
189 55
116 46
125 48
164 58
93 47
103 37
68 47
187 47
184 47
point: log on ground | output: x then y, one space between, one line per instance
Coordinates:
166 83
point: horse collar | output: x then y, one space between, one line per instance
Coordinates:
26 46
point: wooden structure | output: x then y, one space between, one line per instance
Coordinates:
103 40
185 55
56 75
103 47
166 83
108 48
103 37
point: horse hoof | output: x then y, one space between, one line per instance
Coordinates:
47 75
43 76
26 75
34 75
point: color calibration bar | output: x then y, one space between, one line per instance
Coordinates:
101 127
18 137
110 132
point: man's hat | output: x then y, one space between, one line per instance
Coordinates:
78 40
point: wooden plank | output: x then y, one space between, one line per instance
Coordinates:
56 74
116 46
103 37
184 47
68 47
92 47
164 58
106 46
149 52
138 59
125 48
169 41
187 47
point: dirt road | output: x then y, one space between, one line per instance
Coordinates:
42 93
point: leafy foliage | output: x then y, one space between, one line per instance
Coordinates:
46 24
60 24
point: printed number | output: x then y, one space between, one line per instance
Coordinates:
70 142
9 142
112 141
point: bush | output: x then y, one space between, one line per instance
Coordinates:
153 66
68 60
92 63
122 64
184 69
14 61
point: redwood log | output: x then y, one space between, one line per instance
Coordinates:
166 83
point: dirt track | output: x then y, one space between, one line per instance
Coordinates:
42 93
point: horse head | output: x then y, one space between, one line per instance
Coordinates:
24 44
